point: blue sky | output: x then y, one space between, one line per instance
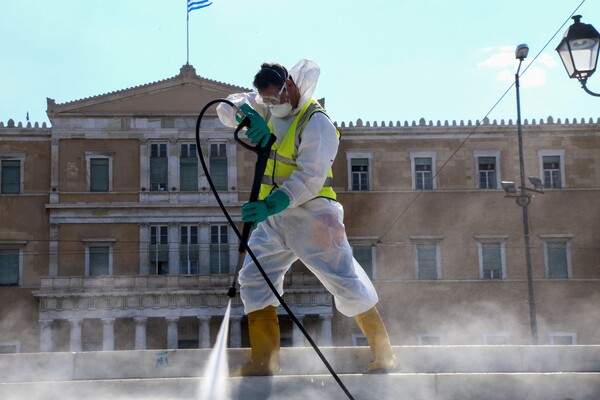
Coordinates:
381 60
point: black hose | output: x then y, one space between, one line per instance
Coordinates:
244 244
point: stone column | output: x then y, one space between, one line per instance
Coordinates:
75 344
108 334
53 247
297 335
172 334
140 333
54 167
235 336
46 335
204 332
144 169
173 169
325 332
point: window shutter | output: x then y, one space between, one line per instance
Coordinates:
491 260
99 174
427 261
219 250
218 165
98 261
9 267
363 254
557 260
11 176
218 172
188 174
158 173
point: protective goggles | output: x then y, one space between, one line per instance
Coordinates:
271 100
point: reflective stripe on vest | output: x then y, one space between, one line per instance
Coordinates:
282 161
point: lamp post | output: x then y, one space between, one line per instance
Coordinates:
523 198
578 51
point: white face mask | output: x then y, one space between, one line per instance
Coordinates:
281 110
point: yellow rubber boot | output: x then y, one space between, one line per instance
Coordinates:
384 359
263 327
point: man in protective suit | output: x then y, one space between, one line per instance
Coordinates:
297 216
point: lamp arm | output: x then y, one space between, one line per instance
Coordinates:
583 81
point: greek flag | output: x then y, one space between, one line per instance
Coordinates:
195 4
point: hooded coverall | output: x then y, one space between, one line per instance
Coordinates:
311 228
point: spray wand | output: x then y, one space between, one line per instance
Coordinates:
261 163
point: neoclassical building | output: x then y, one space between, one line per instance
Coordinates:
111 239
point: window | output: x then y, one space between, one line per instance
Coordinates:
488 174
10 176
159 167
159 250
218 165
219 250
491 259
429 340
422 164
359 170
98 257
423 174
551 165
188 167
99 175
99 261
427 259
363 253
360 174
99 172
189 251
552 168
91 334
10 347
496 339
562 338
557 256
9 267
359 340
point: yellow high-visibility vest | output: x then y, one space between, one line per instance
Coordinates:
282 160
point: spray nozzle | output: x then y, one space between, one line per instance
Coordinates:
241 117
239 113
232 291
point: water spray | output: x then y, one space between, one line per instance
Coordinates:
215 382
263 153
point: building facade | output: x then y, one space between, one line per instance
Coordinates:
111 238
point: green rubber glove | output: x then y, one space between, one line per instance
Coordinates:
258 211
259 131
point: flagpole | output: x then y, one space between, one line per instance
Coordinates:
188 37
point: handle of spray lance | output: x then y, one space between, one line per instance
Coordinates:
262 154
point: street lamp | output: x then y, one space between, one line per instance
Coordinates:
578 51
523 198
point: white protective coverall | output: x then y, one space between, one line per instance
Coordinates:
311 228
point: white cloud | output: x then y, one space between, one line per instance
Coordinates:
498 60
548 60
535 76
504 59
